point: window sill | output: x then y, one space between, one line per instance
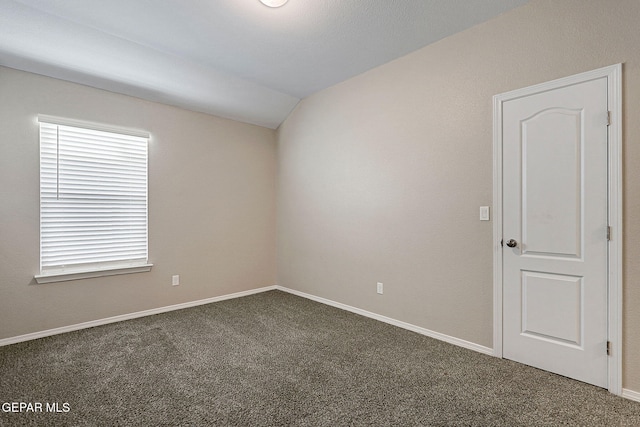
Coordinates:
87 274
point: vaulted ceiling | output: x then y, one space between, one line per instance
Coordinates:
233 58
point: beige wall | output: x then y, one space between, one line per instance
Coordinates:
380 177
211 206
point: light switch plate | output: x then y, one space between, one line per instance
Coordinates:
484 213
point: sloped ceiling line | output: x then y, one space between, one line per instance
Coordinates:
239 60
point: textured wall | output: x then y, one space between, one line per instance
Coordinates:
381 176
211 206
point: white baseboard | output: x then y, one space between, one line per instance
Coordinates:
437 335
120 318
631 395
626 393
99 322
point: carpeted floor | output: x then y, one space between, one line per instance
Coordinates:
274 359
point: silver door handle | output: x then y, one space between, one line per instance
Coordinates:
512 243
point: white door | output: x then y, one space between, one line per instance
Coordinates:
555 230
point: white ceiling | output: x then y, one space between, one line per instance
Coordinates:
233 58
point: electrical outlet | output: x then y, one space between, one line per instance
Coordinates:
380 287
175 280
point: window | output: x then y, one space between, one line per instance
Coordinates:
93 200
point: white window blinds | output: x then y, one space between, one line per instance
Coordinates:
93 198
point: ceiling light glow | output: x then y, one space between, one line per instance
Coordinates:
273 3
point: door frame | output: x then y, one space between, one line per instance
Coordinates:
613 74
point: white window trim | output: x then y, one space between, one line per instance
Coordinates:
64 275
92 125
94 272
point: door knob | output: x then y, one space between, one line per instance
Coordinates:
512 243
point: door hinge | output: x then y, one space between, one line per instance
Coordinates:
608 348
608 118
608 232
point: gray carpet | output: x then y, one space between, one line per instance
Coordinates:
274 359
